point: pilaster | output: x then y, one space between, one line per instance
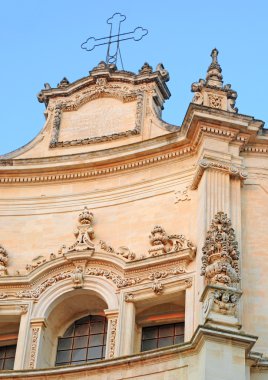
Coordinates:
38 326
112 334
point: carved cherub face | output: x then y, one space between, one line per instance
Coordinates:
225 297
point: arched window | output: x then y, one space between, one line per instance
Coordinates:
83 341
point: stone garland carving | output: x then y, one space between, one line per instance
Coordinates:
220 253
35 336
112 337
119 281
3 261
84 233
123 251
182 195
163 243
35 293
54 143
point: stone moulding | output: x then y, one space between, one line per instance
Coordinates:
63 107
222 166
188 150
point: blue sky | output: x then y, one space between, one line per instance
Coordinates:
40 42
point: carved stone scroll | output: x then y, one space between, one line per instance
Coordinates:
164 244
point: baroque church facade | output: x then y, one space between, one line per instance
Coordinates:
132 248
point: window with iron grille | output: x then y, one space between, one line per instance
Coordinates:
83 341
7 357
161 336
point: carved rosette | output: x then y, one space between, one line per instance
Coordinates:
84 233
220 253
3 261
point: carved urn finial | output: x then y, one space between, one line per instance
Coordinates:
3 261
214 76
220 253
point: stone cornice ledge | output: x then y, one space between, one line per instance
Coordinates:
201 334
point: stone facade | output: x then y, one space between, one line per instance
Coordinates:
112 212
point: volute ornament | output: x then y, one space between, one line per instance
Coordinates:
220 253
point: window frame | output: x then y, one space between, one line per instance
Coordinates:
73 336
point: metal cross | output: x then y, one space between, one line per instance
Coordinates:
115 37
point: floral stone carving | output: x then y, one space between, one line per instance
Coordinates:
3 261
163 243
84 233
220 253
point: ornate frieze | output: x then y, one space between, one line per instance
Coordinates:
220 253
3 261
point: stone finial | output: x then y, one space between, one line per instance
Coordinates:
211 92
220 253
3 261
146 69
63 83
214 76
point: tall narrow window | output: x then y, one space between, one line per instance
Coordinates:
7 357
162 336
83 341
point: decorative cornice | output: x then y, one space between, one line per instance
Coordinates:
182 152
222 166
